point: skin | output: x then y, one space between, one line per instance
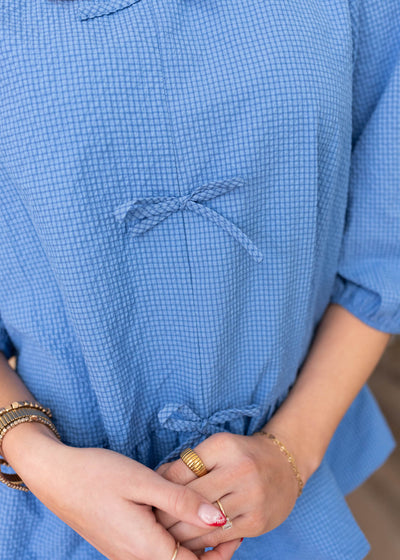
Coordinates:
248 472
104 496
130 512
245 473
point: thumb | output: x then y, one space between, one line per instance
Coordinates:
185 504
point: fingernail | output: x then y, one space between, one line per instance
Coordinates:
211 515
241 540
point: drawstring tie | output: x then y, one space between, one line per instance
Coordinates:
181 418
150 211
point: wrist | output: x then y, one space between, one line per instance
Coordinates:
307 456
26 444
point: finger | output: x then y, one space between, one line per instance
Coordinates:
147 539
150 540
163 468
208 450
240 526
212 486
233 506
178 473
223 551
179 501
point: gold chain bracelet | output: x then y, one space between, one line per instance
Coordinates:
290 458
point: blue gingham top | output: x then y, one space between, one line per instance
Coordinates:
185 186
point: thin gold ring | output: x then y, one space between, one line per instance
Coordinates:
228 524
178 544
193 461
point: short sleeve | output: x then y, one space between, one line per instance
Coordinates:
368 276
6 345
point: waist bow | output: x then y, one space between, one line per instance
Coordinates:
181 418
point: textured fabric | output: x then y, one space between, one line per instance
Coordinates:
185 186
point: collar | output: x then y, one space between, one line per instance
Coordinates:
89 9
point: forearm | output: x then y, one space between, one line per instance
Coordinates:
342 357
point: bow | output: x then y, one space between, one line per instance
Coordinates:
181 418
150 211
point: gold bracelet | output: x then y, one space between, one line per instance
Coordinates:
10 479
26 404
10 418
14 417
290 458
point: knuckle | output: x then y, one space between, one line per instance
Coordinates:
259 491
258 521
215 538
247 465
179 501
174 473
222 440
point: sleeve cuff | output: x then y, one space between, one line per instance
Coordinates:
366 305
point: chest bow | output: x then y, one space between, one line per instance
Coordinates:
149 211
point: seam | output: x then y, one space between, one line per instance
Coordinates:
179 178
354 19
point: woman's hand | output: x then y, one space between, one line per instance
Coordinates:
107 497
251 478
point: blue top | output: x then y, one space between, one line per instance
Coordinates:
185 186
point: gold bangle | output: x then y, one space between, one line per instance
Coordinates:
10 419
26 404
10 479
14 417
290 458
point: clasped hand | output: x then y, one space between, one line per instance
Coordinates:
128 511
251 478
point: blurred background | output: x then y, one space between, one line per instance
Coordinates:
376 503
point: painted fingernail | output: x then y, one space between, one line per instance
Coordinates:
241 540
211 515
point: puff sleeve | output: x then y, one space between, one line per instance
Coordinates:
368 276
6 345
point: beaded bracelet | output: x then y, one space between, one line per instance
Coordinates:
17 413
26 404
10 479
289 456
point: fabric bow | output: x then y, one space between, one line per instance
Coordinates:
181 418
150 211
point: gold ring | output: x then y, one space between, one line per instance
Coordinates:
178 544
228 524
193 461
